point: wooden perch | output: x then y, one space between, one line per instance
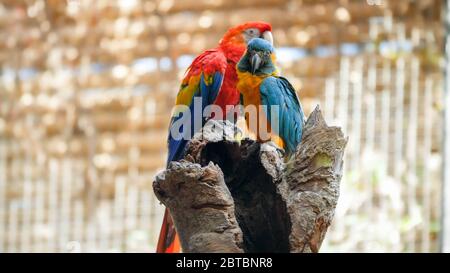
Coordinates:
227 196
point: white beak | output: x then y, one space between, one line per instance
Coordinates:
267 35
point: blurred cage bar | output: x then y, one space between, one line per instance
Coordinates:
445 219
86 90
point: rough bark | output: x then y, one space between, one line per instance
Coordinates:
241 196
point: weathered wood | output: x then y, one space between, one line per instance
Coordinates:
230 196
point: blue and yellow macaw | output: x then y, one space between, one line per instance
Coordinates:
260 85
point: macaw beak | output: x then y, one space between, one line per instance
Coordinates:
255 63
267 35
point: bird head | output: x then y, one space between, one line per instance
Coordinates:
259 58
238 37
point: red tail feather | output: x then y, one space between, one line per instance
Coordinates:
168 241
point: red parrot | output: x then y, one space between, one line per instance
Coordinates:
212 78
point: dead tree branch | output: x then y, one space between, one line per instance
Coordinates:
227 196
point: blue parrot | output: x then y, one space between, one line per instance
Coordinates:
260 85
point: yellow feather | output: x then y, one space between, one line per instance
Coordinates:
186 93
248 85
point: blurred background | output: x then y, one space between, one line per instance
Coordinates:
86 90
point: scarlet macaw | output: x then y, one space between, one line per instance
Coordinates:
260 85
212 78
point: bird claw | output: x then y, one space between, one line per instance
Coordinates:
271 146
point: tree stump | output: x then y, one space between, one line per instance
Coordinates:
241 196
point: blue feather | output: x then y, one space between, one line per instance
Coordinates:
278 91
208 94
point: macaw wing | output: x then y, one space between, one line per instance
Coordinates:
278 91
203 80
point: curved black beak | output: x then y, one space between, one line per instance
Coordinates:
255 62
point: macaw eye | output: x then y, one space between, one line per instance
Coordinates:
253 32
